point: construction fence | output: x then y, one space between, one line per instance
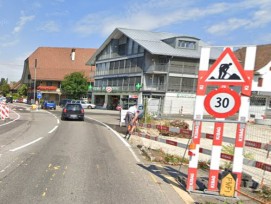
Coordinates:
257 159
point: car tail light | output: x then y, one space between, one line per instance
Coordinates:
82 110
64 110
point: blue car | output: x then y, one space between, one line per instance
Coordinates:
49 105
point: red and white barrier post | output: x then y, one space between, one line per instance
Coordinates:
197 124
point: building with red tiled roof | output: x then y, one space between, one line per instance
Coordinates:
46 67
262 71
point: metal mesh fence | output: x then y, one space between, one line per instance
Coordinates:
258 133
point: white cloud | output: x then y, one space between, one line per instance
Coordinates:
230 25
254 14
21 23
50 27
148 15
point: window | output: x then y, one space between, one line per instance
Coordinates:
260 82
188 85
49 83
187 44
174 83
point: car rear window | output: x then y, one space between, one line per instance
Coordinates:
74 107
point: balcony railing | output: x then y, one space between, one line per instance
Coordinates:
157 68
127 88
155 87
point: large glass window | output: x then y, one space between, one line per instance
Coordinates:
174 83
187 44
187 85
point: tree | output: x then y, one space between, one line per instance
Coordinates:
75 85
4 87
22 91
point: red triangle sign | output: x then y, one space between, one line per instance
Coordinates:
226 71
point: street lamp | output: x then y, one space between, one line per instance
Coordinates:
35 79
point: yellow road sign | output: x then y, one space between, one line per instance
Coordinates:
228 184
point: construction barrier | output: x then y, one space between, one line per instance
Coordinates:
188 134
4 111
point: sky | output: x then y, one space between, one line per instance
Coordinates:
26 25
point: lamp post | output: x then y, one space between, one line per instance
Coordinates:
35 79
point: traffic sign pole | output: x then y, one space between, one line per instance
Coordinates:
243 117
198 115
221 103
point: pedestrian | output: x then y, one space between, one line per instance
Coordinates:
130 120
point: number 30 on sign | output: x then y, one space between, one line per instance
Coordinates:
222 102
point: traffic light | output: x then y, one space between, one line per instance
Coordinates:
138 86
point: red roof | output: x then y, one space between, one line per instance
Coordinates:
53 63
263 56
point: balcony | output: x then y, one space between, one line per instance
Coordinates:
155 87
157 68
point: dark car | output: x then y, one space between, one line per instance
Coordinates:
73 111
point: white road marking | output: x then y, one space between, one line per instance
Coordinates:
53 129
23 146
120 137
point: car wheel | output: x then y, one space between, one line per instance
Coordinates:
62 118
89 107
83 119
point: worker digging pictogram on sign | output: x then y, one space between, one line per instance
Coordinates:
226 70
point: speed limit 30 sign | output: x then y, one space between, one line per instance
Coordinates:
222 102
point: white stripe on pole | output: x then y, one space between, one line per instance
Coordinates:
204 59
250 58
194 159
199 107
215 158
238 160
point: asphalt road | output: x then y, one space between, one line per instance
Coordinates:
45 160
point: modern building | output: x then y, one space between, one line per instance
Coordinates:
144 64
46 67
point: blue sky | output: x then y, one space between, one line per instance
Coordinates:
26 25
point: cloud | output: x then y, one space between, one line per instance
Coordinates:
21 23
50 27
253 14
228 26
145 16
156 14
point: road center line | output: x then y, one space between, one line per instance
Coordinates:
13 150
53 129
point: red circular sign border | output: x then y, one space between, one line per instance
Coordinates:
236 107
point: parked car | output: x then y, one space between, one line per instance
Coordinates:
48 105
84 104
73 111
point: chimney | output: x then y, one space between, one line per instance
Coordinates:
73 54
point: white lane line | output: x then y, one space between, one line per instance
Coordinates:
120 137
53 129
23 146
57 121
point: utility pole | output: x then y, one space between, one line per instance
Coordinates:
35 79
